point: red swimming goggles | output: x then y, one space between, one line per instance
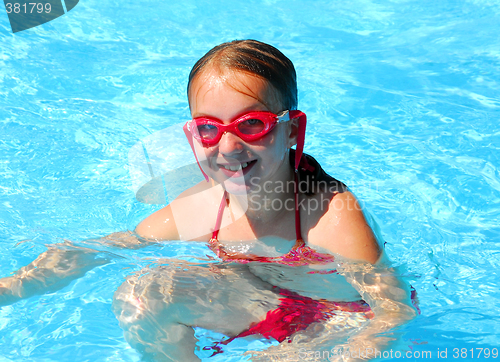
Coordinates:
249 127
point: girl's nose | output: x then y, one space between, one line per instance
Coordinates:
230 144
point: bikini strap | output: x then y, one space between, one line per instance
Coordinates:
224 202
298 233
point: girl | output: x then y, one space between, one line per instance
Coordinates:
271 215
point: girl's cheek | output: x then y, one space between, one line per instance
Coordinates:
204 152
210 154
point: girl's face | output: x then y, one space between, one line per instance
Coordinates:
226 96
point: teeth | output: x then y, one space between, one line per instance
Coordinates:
232 168
235 168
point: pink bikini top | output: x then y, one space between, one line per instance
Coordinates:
299 255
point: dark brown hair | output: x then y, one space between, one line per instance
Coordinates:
256 58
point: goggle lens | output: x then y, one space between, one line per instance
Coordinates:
251 126
207 132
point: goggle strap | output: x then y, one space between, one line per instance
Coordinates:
189 137
301 135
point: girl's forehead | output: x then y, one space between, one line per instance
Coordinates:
242 82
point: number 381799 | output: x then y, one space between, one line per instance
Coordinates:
28 8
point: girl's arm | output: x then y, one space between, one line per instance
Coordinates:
60 265
65 262
390 299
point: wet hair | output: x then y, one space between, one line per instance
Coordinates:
256 58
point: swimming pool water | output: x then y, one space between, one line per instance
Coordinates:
403 105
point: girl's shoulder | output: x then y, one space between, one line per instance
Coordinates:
336 220
190 216
343 229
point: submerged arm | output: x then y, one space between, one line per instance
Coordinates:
390 300
60 265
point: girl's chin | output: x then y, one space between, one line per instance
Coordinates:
233 185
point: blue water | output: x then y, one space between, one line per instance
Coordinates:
404 107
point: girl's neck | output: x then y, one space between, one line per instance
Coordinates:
272 200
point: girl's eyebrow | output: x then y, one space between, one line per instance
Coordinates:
251 108
203 115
